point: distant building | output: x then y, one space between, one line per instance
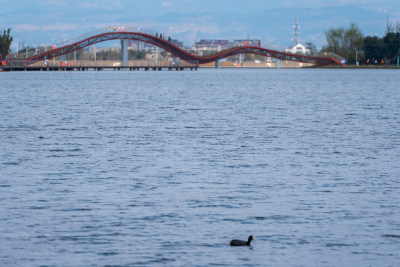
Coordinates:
204 47
298 49
177 43
136 45
95 49
143 46
256 43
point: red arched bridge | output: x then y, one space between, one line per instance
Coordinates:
137 34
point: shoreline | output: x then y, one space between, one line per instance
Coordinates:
354 67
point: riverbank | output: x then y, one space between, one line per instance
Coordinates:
292 64
252 64
354 67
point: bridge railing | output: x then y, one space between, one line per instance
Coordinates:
33 51
99 64
331 55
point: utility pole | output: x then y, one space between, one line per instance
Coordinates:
296 31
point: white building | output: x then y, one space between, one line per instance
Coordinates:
298 49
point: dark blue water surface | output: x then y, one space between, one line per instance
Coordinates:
165 168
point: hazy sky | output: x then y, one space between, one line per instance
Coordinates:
49 21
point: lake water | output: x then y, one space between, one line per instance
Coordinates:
165 168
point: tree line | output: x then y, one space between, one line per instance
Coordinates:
5 43
351 44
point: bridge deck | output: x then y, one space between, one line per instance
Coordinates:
96 68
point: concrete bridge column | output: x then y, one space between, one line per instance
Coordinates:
176 62
124 52
217 64
278 64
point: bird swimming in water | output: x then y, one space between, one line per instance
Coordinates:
237 243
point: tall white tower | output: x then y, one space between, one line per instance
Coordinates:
296 28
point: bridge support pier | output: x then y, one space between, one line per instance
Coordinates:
217 64
176 61
124 52
278 64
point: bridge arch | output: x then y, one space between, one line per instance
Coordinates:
178 52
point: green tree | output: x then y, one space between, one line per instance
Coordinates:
354 39
392 45
335 40
389 27
139 55
344 42
5 43
310 46
386 48
373 48
81 54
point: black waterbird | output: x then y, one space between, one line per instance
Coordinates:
236 242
